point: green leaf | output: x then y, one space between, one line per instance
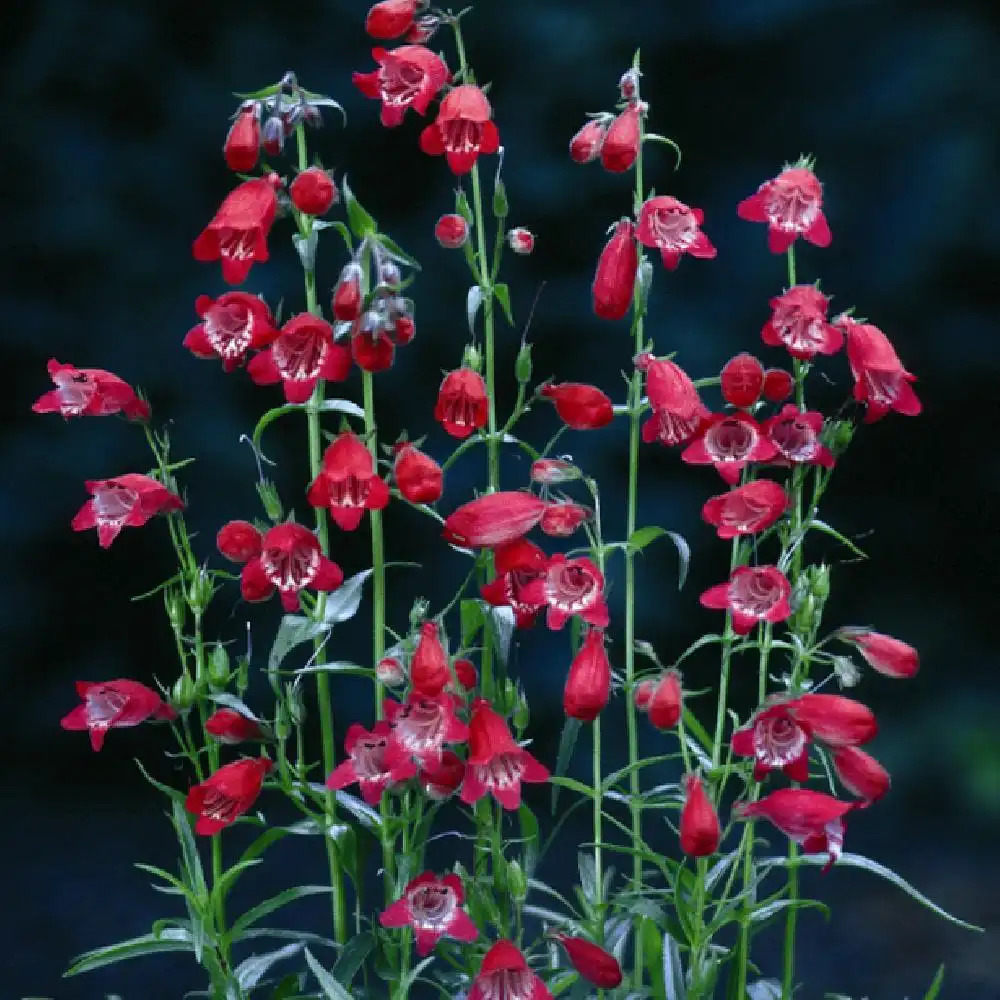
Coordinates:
410 978
394 250
588 876
268 418
332 989
935 987
344 602
358 219
473 303
345 234
337 667
338 406
567 743
472 617
529 832
572 784
292 632
352 957
652 953
251 970
274 903
172 939
500 204
195 875
502 294
642 537
833 533
173 793
673 970
462 206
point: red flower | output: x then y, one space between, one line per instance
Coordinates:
614 280
463 129
668 225
115 704
813 820
729 442
496 765
391 18
303 353
375 760
391 671
678 412
586 145
777 741
518 564
880 380
237 234
230 326
861 774
227 794
371 348
127 501
778 385
313 191
242 145
423 724
229 726
465 673
451 231
553 470
493 520
505 975
746 510
239 541
89 392
753 594
440 779
700 831
407 77
742 379
570 587
792 206
581 407
666 701
796 437
462 406
620 148
348 485
643 693
290 560
521 240
429 673
834 719
417 475
561 519
432 906
798 323
598 967
888 656
588 685
347 297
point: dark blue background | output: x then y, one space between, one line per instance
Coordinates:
114 116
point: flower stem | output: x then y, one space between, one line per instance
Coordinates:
597 764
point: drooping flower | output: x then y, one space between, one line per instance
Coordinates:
441 779
678 412
417 475
518 564
889 656
496 764
614 279
227 794
494 519
423 724
375 760
290 560
232 727
620 148
451 231
880 380
834 719
407 77
795 435
504 975
463 129
741 380
462 405
588 684
429 673
666 701
89 392
313 191
668 225
753 594
580 407
302 353
599 967
237 234
729 442
230 326
791 205
746 510
348 484
570 587
371 346
521 240
699 825
778 385
242 146
799 324
239 541
117 704
861 774
391 18
432 906
127 501
347 296
777 741
586 145
562 518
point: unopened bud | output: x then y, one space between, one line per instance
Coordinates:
272 135
200 590
517 884
218 667
390 671
282 723
521 240
837 435
296 703
628 85
418 613
522 711
522 366
176 607
471 358
451 231
548 471
846 670
389 274
183 693
820 581
500 206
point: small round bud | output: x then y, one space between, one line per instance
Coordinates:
390 671
521 240
272 136
471 358
183 693
218 667
389 274
451 231
313 192
628 85
742 380
778 385
522 366
586 145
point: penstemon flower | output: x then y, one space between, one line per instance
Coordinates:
752 595
230 327
375 761
598 967
89 392
505 975
791 205
463 129
347 484
581 407
127 501
432 906
117 704
407 77
227 794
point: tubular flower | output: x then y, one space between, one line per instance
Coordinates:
586 145
880 380
729 442
861 774
777 741
347 484
463 129
834 719
614 280
620 148
242 146
795 435
742 379
407 77
229 726
347 296
391 18
422 725
117 704
504 975
752 595
441 779
561 519
798 323
518 564
668 225
227 794
451 231
432 906
230 326
462 405
496 765
746 510
883 653
666 701
127 501
678 412
237 234
417 475
239 541
792 206
89 392
814 820
429 673
699 824
375 760
302 353
549 471
570 587
588 685
494 519
580 407
313 191
597 966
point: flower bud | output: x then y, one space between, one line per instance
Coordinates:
296 703
778 385
666 703
521 240
847 672
522 366
699 824
586 145
819 583
465 673
347 295
500 195
451 231
272 137
282 723
837 435
621 143
593 963
628 85
238 541
389 274
242 145
272 502
200 590
553 470
472 358
390 671
313 192
742 381
218 667
183 694
643 694
522 711
176 607
614 280
517 884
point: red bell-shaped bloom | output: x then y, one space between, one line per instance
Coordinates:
237 234
239 541
678 412
504 975
798 323
117 704
451 231
620 148
586 145
462 406
614 280
227 794
777 740
463 129
746 510
561 519
668 225
375 760
861 774
570 587
699 824
496 765
791 205
232 727
880 380
127 501
741 380
834 719
588 685
407 77
666 701
348 484
752 595
441 779
494 519
422 725
230 326
313 191
518 564
795 435
290 560
432 906
429 673
729 442
417 475
89 392
889 656
242 146
599 967
391 18
581 407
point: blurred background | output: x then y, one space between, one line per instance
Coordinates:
115 117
